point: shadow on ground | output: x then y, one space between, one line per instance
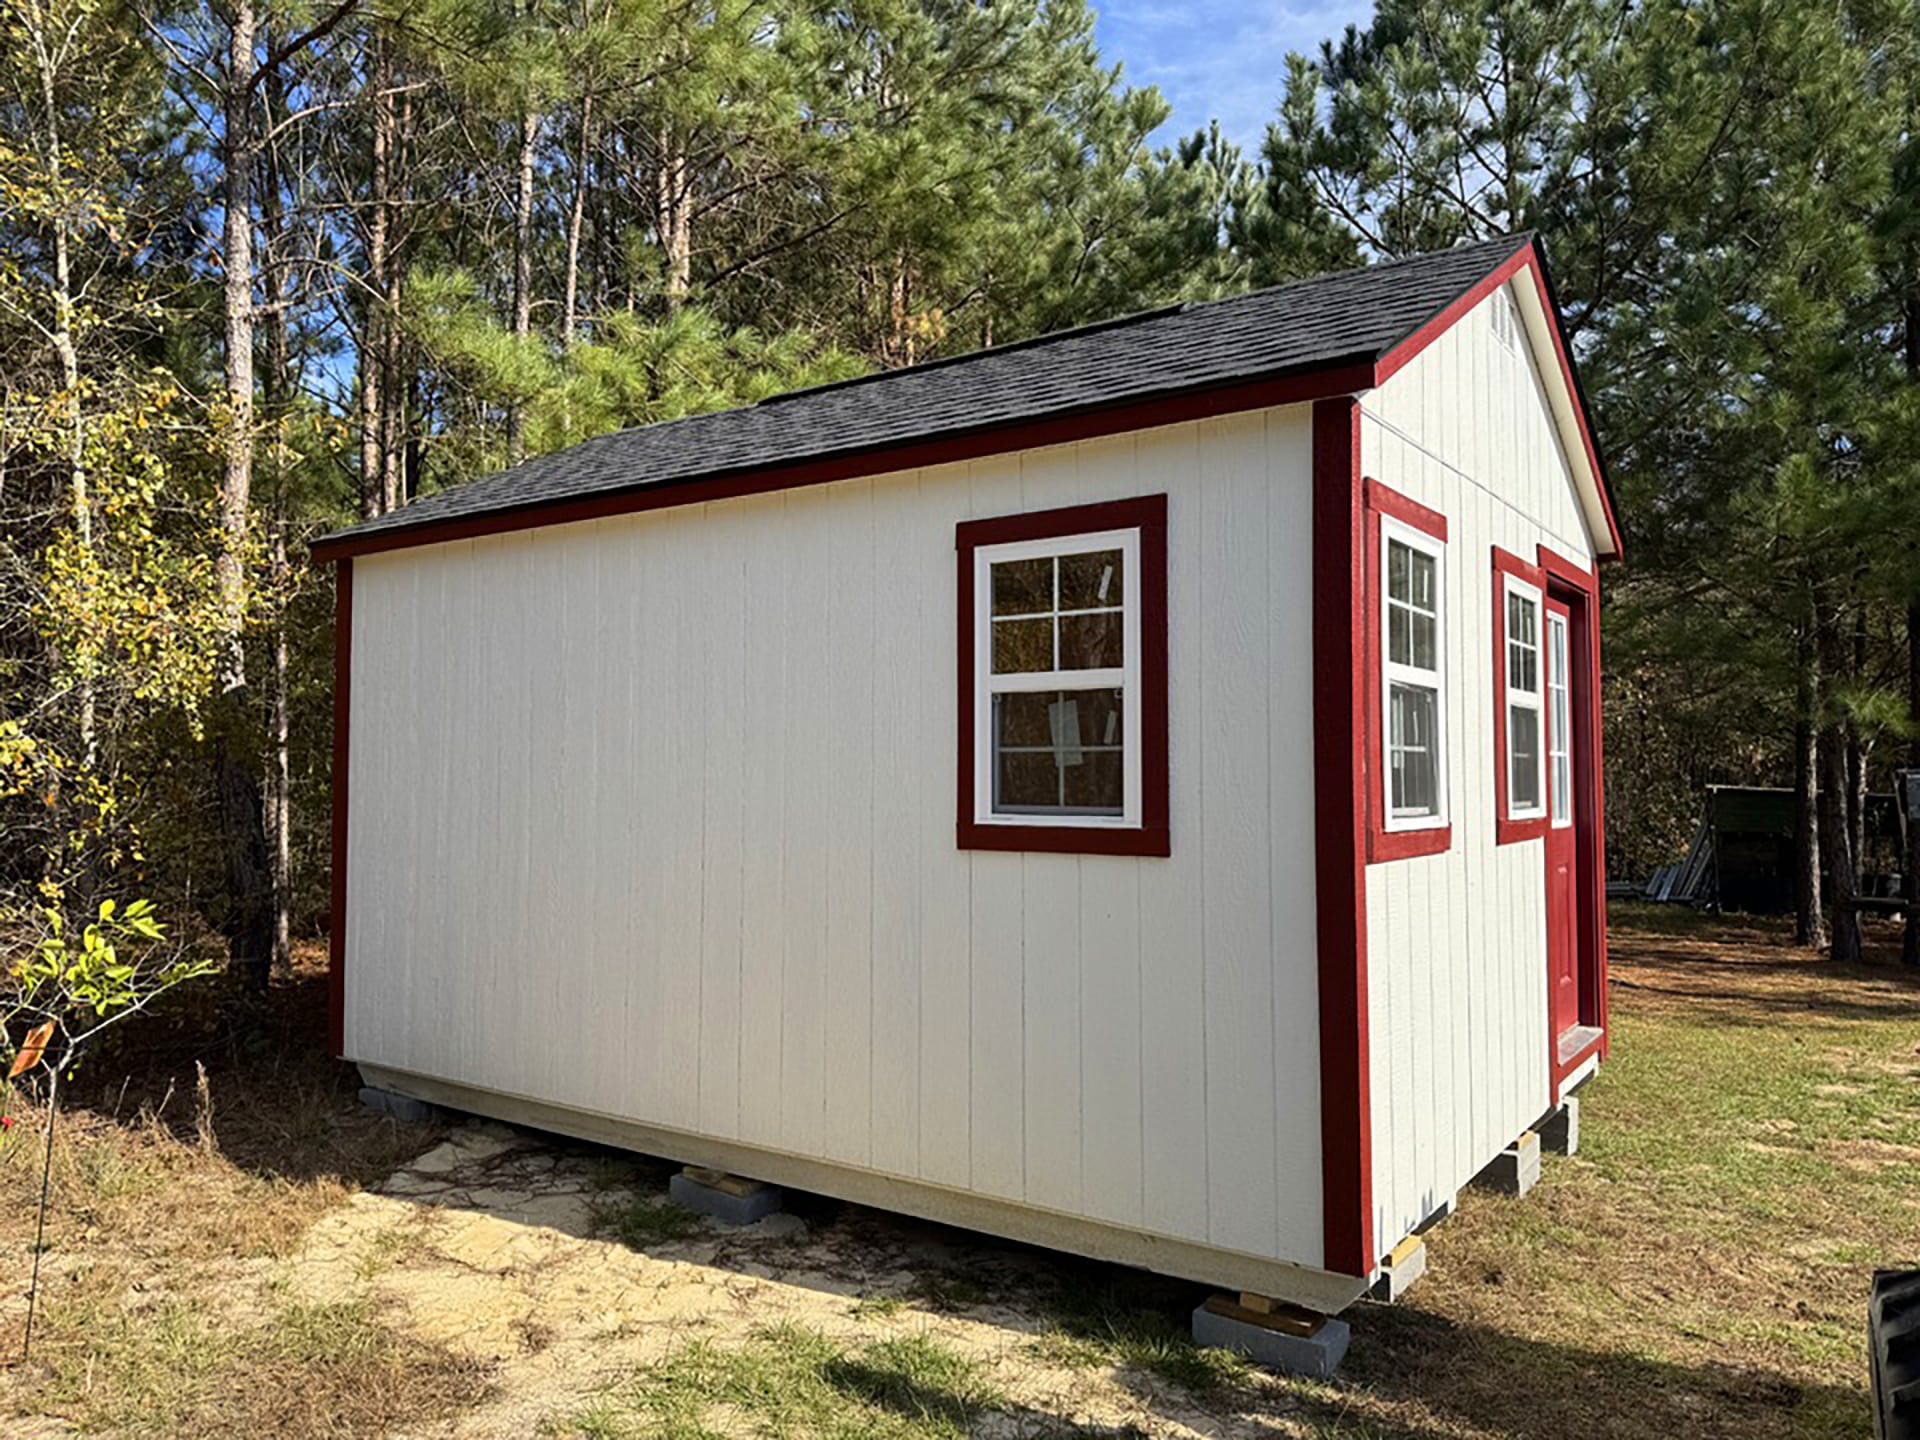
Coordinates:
842 1269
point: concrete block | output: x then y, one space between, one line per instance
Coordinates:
1560 1131
727 1198
1516 1169
1399 1270
1283 1339
403 1108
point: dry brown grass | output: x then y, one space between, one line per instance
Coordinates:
189 1160
1752 1153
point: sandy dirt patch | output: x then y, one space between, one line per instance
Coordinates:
496 1244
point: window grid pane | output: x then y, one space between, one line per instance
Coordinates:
1058 641
1413 647
1559 721
1059 752
1523 757
1413 759
1413 608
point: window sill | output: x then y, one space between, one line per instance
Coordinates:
1512 832
1063 839
1406 844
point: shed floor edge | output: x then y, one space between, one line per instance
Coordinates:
1315 1289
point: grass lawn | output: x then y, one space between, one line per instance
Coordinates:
1751 1152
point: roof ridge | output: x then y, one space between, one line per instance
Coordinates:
1343 316
1132 317
1112 322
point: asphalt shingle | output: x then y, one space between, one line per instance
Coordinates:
1355 316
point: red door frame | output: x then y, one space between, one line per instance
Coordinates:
1560 841
1579 590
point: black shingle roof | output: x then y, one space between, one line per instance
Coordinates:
1353 317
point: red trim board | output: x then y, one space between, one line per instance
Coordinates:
1382 843
1148 515
1580 589
1339 379
342 711
1508 831
1340 859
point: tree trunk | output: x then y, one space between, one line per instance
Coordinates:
523 270
1857 807
1836 832
1809 918
237 156
249 921
1857 761
1833 786
277 252
1910 862
373 428
1910 827
674 219
576 218
69 354
393 410
901 349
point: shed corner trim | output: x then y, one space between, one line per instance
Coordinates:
1340 859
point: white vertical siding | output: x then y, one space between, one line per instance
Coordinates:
654 816
1457 941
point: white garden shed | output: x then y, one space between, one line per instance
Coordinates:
1136 790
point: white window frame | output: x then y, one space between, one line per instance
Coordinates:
1559 656
1125 678
1535 700
1392 530
1506 319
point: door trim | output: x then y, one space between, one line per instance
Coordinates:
1578 588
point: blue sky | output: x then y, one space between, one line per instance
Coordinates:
1217 58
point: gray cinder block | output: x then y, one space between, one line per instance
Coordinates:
1289 1341
727 1198
1516 1169
1560 1131
403 1108
1399 1270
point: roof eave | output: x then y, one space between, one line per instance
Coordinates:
1339 376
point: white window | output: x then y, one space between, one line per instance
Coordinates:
1413 677
1559 719
1526 771
1506 320
1057 655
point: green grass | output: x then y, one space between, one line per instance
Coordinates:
1750 1152
174 1369
1133 1321
641 1222
790 1381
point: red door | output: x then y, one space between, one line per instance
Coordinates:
1563 946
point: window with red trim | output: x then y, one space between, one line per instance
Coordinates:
1519 699
1063 685
1408 767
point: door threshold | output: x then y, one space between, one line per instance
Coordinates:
1576 1040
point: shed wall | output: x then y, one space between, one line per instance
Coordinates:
1457 972
653 816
